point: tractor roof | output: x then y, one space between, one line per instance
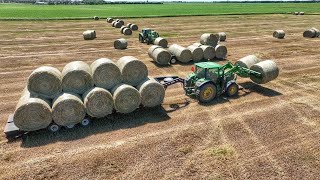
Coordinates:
146 29
208 65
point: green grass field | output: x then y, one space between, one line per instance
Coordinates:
12 11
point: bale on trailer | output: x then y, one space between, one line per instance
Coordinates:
120 44
182 54
152 48
117 25
197 53
268 69
248 61
45 81
32 113
209 39
125 98
152 92
222 36
161 42
134 27
208 52
159 55
127 31
279 34
98 102
109 20
76 77
105 73
96 18
68 109
89 35
133 71
221 51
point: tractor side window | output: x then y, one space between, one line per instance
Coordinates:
212 74
200 72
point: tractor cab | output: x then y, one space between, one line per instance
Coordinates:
208 71
146 31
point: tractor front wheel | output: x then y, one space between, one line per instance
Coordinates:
140 38
206 93
232 89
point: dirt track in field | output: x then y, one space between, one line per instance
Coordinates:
268 131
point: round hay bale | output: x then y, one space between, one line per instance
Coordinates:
98 102
121 22
109 20
88 35
268 69
296 13
128 25
161 56
317 32
113 23
197 44
120 44
208 52
68 109
301 13
279 34
127 31
96 18
105 73
125 98
151 49
134 27
45 81
76 77
209 39
247 61
117 25
222 36
197 53
117 20
122 28
133 71
310 33
32 113
182 54
94 34
221 51
152 92
161 42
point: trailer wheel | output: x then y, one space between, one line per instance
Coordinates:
70 126
54 128
85 122
173 60
232 89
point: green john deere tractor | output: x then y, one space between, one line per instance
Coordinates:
148 35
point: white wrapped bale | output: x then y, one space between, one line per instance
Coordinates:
129 25
247 61
121 22
76 77
182 54
125 98
152 92
161 56
268 69
120 44
105 73
197 53
122 28
209 39
98 102
68 109
109 20
89 35
208 52
96 18
32 113
113 23
161 42
296 13
279 34
221 51
45 81
133 71
222 36
117 25
127 31
134 27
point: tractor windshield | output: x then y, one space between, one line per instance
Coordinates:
200 72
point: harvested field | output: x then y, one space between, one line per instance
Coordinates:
269 131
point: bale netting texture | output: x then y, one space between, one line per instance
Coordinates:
279 34
209 39
208 52
221 51
88 35
76 77
182 54
109 20
222 36
105 73
161 42
32 113
310 33
152 92
45 81
133 71
98 102
161 56
268 69
134 27
127 31
120 43
125 98
197 53
247 61
68 109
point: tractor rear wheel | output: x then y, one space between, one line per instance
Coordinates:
206 92
232 89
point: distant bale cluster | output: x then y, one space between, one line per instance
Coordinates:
118 23
298 13
80 90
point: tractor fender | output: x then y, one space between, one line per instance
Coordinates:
230 82
201 83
